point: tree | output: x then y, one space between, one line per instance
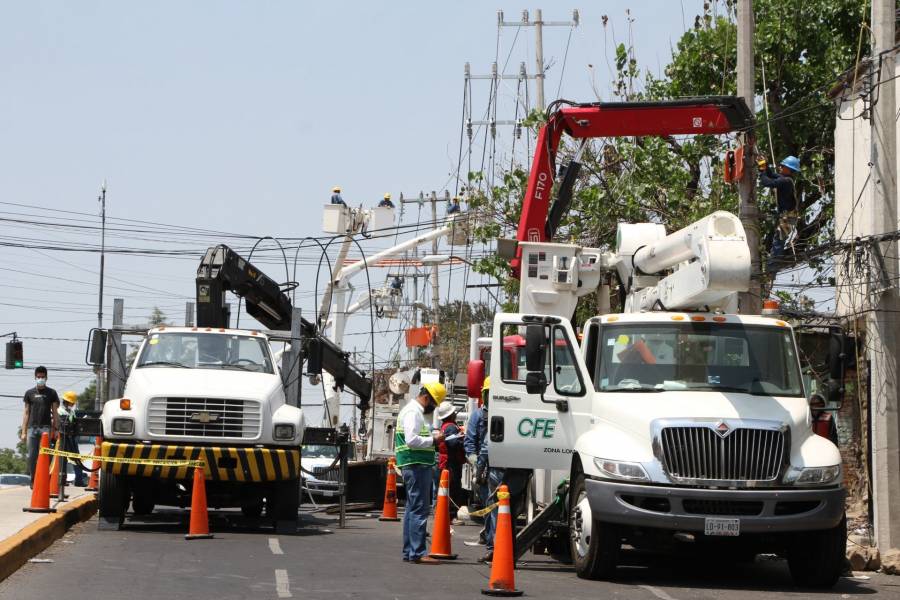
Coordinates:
87 396
12 461
804 45
157 318
454 321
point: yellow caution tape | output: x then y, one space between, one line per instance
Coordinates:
484 511
155 462
503 495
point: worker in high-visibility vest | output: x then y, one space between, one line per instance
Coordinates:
414 444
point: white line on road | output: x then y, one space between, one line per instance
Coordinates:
275 546
657 592
282 585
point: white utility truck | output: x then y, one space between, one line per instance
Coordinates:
675 422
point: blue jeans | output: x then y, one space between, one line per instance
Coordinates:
516 480
33 444
417 480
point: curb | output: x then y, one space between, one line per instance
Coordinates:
35 537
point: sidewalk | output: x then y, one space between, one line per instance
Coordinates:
23 535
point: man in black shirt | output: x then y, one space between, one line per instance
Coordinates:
41 404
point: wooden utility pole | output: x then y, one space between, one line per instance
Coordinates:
882 321
751 300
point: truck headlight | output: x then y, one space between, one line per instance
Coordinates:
283 432
123 426
818 475
615 469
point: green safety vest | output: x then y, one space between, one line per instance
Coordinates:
405 454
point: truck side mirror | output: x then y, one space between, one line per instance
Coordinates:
474 378
314 357
96 350
536 382
836 356
535 345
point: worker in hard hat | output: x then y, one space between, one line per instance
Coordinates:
454 206
336 196
475 445
66 414
414 445
785 197
451 455
386 202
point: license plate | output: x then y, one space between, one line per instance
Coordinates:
726 527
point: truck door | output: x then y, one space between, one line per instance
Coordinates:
531 430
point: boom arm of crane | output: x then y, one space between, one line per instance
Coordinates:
222 269
690 116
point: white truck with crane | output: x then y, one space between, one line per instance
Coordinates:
676 422
218 395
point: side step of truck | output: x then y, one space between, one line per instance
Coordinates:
543 521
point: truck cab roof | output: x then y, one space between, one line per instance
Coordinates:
221 330
664 317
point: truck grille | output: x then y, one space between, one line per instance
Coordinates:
205 417
700 453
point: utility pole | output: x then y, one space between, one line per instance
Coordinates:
435 290
98 398
538 25
882 321
751 300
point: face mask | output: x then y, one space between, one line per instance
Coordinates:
41 381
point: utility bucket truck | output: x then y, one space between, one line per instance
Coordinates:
676 422
218 395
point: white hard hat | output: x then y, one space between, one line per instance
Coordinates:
445 410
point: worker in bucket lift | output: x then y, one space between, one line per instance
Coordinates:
785 196
414 444
454 206
386 202
336 196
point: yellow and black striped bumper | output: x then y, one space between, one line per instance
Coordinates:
221 464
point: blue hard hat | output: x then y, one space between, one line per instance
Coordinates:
792 163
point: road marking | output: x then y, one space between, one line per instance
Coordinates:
275 546
282 585
657 592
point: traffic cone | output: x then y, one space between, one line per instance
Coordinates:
503 579
199 518
389 511
40 492
54 473
440 536
94 481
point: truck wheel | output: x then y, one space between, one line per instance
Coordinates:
285 505
142 498
112 501
816 559
595 545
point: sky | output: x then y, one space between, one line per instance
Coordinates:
238 118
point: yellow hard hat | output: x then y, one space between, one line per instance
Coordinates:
456 198
436 390
337 189
70 397
486 385
387 196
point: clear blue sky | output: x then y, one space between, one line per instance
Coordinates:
238 117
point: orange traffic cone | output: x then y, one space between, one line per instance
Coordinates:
94 481
54 473
389 511
199 518
503 579
40 492
440 536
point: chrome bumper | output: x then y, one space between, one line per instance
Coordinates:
686 509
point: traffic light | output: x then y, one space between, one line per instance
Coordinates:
14 356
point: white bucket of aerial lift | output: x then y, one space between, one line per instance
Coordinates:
710 263
338 219
554 276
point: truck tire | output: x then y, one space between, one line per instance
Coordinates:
142 496
595 545
816 558
285 503
112 501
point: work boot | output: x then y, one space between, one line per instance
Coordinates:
487 558
426 560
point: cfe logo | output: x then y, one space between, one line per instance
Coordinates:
529 427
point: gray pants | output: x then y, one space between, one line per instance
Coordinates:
33 443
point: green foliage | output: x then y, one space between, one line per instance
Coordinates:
454 321
157 317
12 461
803 46
87 396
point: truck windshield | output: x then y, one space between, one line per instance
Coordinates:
194 350
655 357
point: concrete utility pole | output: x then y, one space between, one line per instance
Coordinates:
882 321
750 301
98 398
538 25
435 289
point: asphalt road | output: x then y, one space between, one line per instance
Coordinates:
152 560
